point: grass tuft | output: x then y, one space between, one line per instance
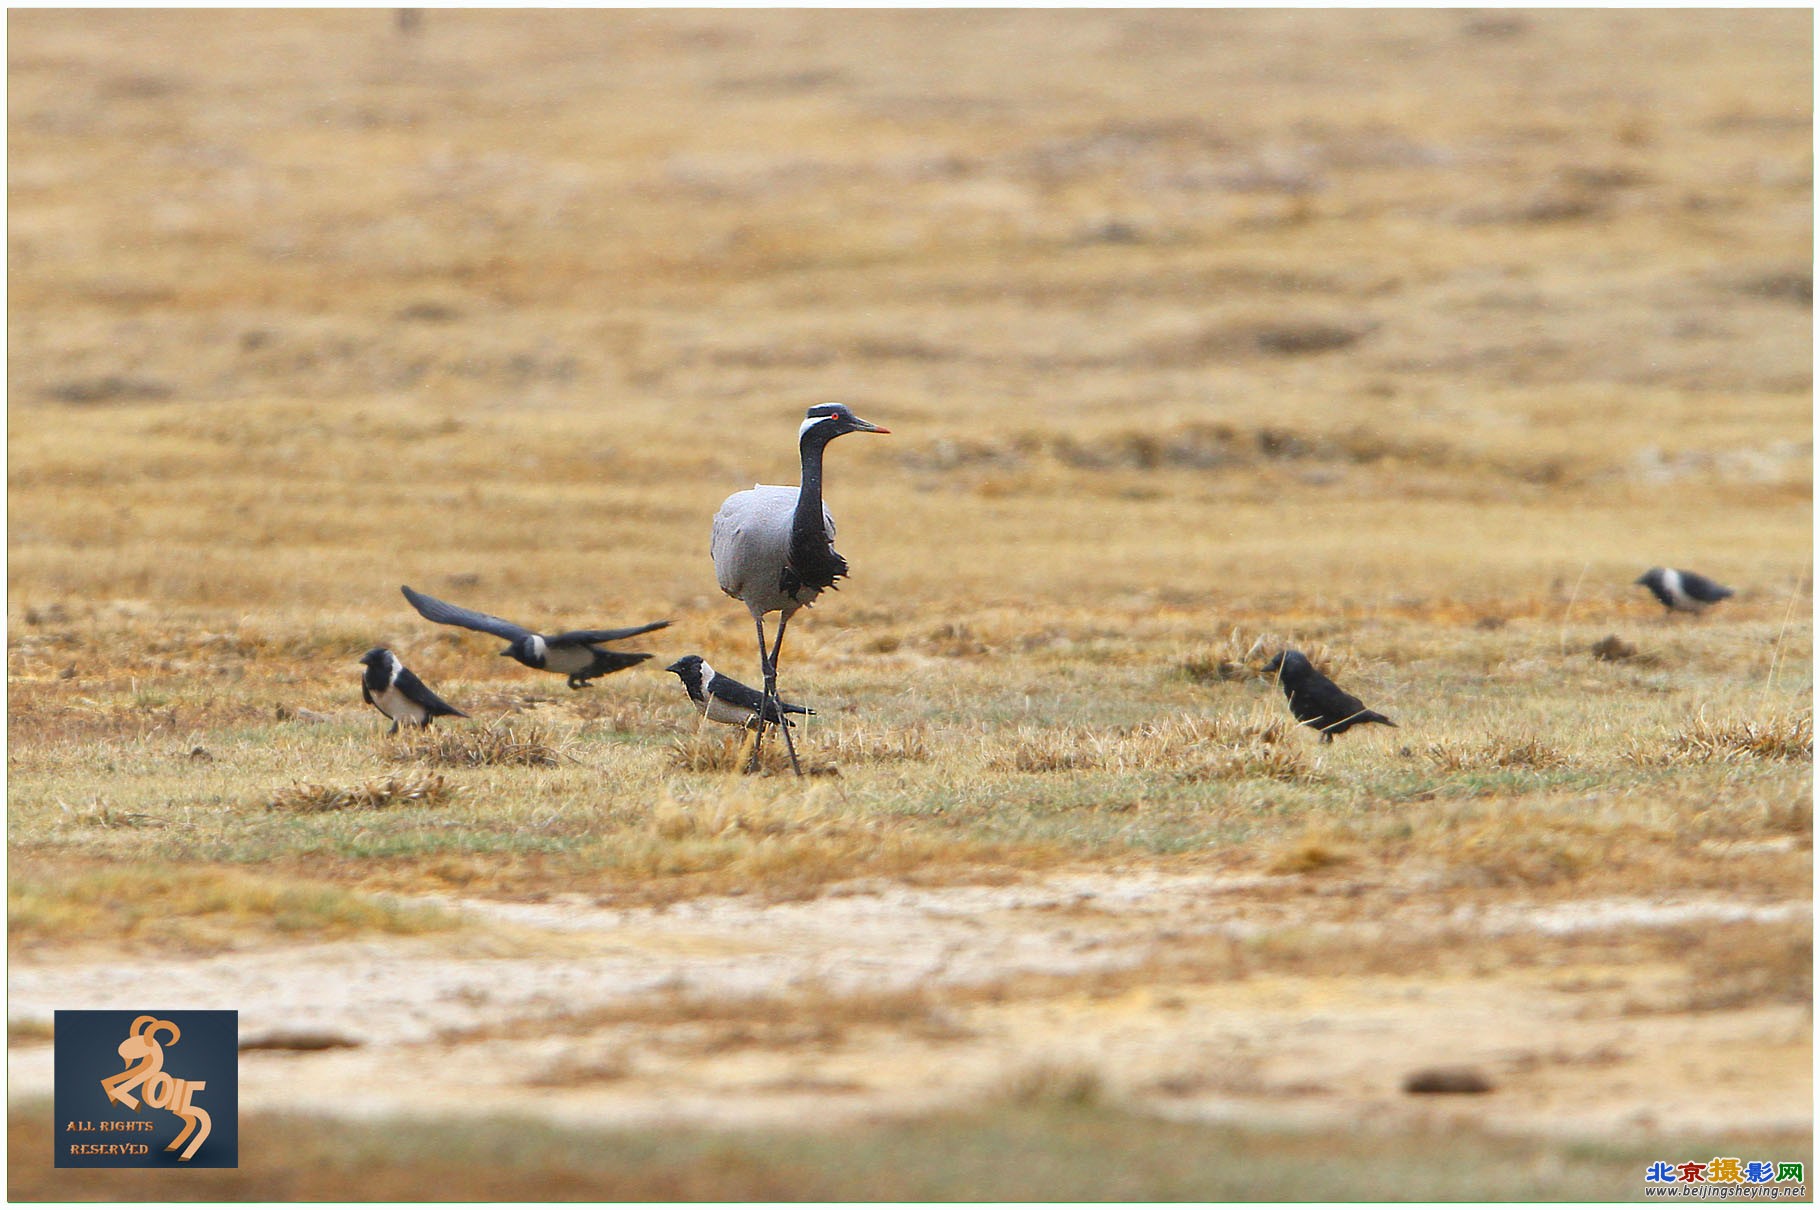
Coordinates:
1307 856
1613 649
812 1014
1221 748
398 790
1047 750
527 745
1191 747
1502 752
1055 1084
1211 668
573 1070
1234 656
1778 736
718 751
864 744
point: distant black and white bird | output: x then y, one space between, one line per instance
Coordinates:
773 546
394 690
1316 701
1686 591
573 653
724 700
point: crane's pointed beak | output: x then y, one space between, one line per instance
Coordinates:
866 426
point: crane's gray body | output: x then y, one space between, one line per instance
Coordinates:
751 546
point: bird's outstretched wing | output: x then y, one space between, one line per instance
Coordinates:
455 615
574 637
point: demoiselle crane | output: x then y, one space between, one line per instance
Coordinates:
773 546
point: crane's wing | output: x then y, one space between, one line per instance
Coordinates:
455 615
578 637
751 545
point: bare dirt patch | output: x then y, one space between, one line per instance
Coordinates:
1197 995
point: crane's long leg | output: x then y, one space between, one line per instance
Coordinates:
769 672
771 698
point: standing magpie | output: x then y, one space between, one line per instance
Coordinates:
724 700
394 690
1687 591
572 653
773 546
1316 701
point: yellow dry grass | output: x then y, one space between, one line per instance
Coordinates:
1417 383
1408 338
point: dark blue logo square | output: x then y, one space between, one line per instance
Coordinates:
147 1089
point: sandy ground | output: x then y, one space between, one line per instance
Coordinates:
1571 1049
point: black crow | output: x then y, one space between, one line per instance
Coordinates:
724 700
1316 701
1687 591
394 690
572 653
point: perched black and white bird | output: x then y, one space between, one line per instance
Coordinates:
1316 701
773 546
394 690
724 700
573 653
1686 591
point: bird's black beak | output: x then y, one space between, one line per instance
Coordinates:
507 651
676 667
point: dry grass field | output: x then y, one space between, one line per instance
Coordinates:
1407 338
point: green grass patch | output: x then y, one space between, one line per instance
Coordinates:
1049 1139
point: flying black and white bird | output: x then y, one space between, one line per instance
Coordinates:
724 700
1686 591
1316 701
773 546
574 653
394 690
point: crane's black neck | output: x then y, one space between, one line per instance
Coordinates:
809 498
813 562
